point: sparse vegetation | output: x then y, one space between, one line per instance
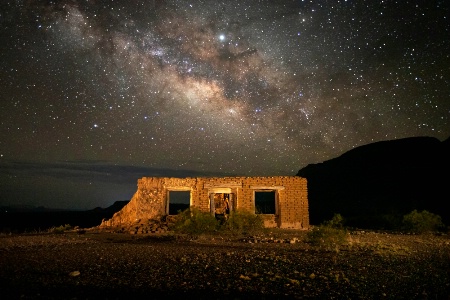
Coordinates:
243 222
329 235
60 229
421 222
194 222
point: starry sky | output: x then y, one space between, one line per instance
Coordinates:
96 94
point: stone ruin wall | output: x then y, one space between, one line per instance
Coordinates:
149 201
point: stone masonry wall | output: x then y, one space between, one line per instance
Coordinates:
150 199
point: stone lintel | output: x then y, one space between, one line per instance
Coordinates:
222 185
267 187
178 188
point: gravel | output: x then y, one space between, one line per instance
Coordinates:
278 265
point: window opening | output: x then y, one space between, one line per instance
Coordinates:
265 202
178 201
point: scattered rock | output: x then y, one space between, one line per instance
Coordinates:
141 226
74 273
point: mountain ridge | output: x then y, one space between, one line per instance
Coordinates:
375 184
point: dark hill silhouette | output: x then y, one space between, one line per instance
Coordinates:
110 210
28 219
374 185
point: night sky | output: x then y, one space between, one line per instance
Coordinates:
96 94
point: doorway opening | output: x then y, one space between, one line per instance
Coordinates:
178 201
222 205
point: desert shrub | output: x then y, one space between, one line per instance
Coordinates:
336 222
60 229
194 222
330 234
243 222
420 222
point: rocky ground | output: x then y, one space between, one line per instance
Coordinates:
280 264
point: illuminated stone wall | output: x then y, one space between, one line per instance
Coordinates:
151 198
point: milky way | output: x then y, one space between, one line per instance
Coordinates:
232 87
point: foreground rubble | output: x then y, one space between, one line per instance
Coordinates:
280 264
139 226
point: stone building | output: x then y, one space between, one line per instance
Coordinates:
282 201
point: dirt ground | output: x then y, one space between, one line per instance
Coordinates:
279 264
